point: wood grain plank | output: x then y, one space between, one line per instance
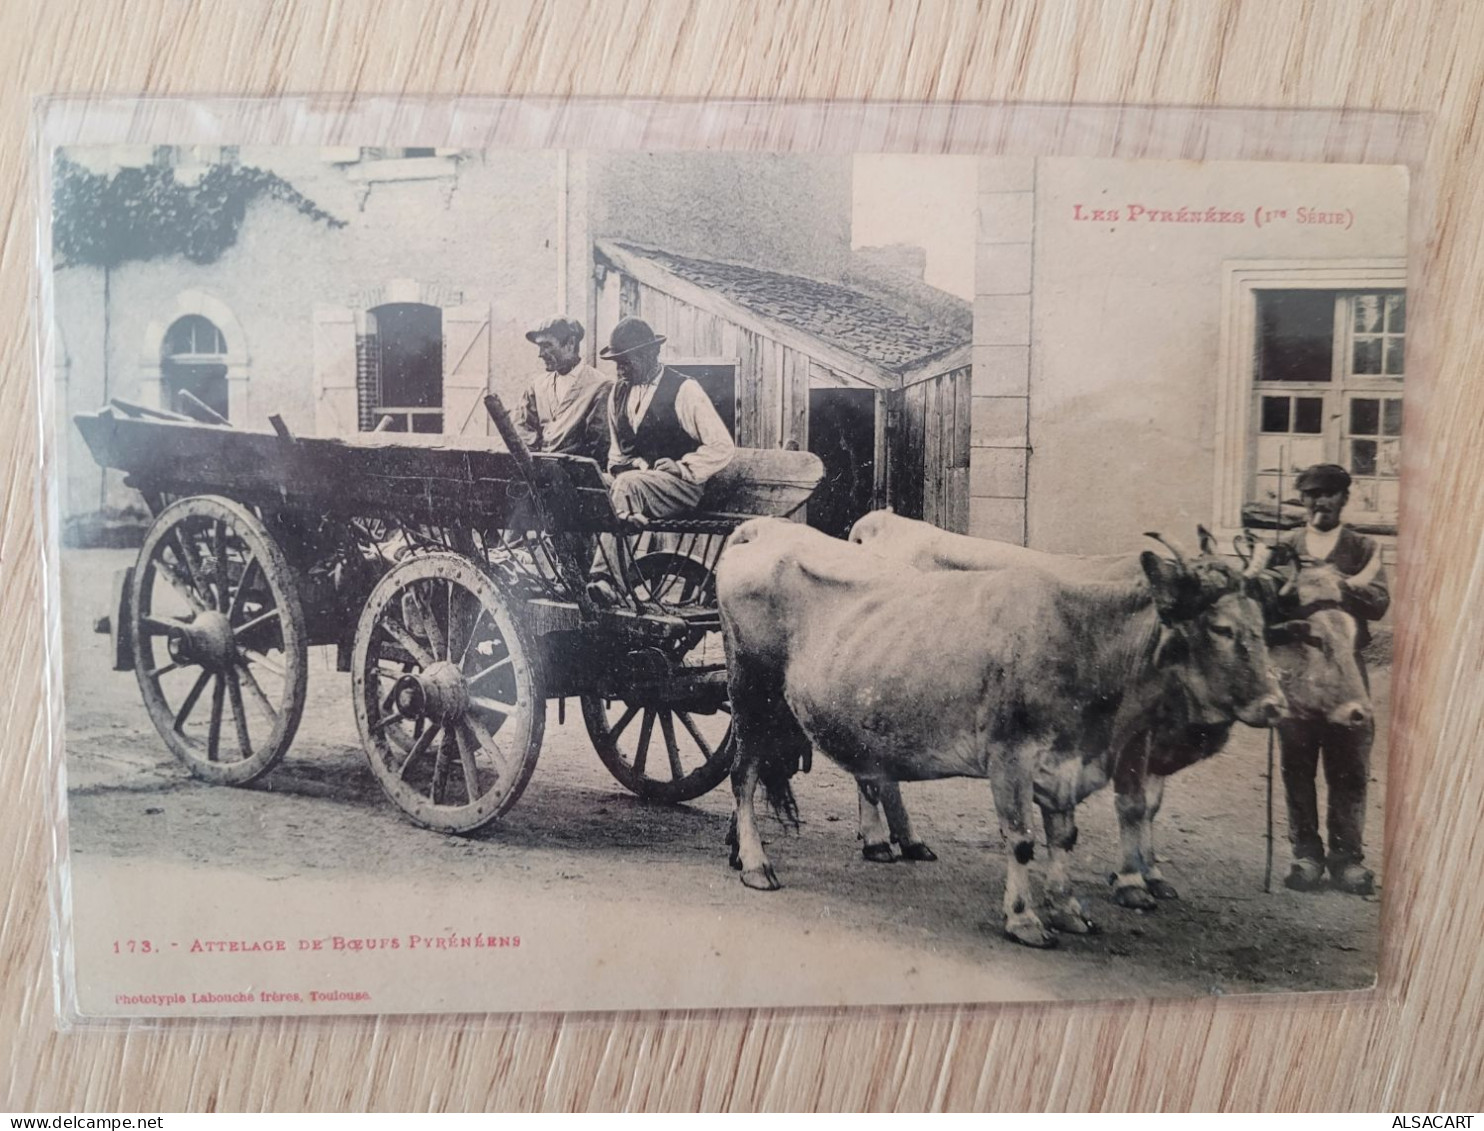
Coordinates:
1415 1044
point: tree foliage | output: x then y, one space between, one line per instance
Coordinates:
144 213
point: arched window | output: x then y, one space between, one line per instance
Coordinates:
403 367
193 359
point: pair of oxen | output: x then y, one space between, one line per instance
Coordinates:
909 653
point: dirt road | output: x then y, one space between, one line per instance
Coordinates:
578 840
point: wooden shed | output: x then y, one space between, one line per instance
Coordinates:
882 397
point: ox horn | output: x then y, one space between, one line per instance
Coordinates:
1168 545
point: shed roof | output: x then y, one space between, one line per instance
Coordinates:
848 319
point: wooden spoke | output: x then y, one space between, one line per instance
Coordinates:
448 634
234 610
219 552
261 658
440 766
430 621
667 726
689 724
186 560
184 586
261 618
158 625
156 673
641 755
239 715
410 645
486 739
469 643
489 671
189 704
494 705
466 758
214 736
622 724
419 748
254 689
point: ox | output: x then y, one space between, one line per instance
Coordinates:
1312 645
1016 675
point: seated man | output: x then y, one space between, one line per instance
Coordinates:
565 409
667 437
1345 751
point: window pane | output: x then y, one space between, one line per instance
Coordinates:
1275 414
1390 461
1393 422
1363 457
1396 313
427 422
1309 417
411 340
1365 416
1368 311
1394 357
1367 355
1295 335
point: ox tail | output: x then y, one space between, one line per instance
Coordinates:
775 774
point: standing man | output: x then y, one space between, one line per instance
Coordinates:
667 437
1346 751
565 409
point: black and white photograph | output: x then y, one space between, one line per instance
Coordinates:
555 579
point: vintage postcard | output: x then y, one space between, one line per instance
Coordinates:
527 579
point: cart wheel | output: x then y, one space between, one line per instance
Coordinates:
673 581
216 619
447 695
658 751
689 756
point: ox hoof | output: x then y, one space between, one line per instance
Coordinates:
734 859
1070 920
1161 889
1027 930
761 879
877 853
918 852
1135 898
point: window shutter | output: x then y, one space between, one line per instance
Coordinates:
466 369
335 408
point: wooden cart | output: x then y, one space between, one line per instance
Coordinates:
462 587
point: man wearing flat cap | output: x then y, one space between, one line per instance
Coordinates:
1344 750
564 409
667 438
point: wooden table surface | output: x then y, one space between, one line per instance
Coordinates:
1416 1044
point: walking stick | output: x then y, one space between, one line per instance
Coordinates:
1267 876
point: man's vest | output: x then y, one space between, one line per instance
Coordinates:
659 435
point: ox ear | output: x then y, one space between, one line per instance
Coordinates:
1207 540
1171 582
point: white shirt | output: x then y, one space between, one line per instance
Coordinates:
1319 544
700 420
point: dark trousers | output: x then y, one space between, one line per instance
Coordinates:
1346 752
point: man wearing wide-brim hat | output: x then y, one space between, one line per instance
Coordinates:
667 438
1345 750
565 409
